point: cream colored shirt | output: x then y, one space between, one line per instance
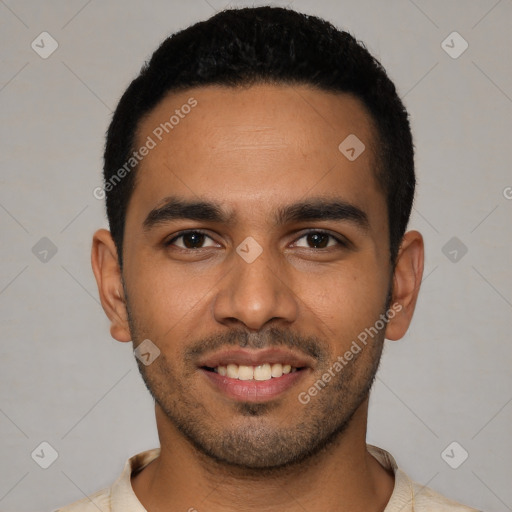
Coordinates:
407 496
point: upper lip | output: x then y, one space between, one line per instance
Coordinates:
255 358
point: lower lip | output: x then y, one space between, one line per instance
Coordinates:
254 390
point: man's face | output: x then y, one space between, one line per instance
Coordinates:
247 287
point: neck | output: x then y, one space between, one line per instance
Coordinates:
342 477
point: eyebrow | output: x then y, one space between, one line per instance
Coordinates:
313 209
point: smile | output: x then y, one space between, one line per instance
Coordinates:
261 372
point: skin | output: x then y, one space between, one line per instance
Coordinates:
254 150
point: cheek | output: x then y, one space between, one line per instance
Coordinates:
165 297
347 300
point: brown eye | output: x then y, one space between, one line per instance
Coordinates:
320 240
190 240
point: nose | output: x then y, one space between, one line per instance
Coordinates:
255 293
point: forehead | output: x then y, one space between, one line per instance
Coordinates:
259 145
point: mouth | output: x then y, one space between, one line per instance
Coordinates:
254 376
261 372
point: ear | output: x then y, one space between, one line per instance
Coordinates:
106 269
406 284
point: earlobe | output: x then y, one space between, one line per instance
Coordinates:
106 270
406 283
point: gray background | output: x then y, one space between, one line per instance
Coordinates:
66 382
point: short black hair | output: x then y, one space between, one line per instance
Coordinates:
273 45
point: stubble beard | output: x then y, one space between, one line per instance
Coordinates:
254 441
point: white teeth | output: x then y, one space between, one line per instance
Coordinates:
232 371
245 372
277 370
264 371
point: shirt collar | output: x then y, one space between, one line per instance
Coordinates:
122 497
402 497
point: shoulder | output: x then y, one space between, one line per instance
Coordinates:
427 500
120 493
409 495
98 501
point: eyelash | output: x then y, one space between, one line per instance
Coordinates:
340 242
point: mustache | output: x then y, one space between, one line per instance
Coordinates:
273 337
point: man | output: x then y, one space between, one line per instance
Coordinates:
259 178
